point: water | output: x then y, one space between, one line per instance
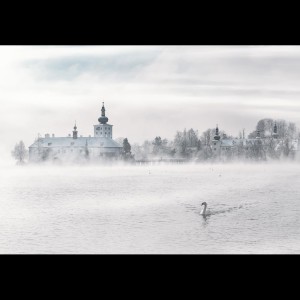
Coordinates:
150 209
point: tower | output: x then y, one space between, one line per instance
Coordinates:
275 133
216 143
217 137
103 129
75 132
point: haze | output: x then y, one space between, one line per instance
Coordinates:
147 90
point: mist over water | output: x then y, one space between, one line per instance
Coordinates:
254 208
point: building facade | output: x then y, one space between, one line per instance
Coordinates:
77 148
223 147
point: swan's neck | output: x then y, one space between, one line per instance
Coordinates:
203 210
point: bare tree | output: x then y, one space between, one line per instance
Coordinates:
20 152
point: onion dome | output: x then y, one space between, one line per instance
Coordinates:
217 137
103 119
75 131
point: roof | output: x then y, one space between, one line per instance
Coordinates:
229 142
92 142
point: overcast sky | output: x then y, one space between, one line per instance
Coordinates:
147 90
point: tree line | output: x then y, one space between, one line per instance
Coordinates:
192 145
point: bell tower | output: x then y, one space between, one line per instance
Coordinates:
103 129
75 132
216 143
275 133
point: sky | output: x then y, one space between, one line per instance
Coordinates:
148 91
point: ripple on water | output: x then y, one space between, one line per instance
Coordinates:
124 210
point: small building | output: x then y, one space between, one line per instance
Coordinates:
77 148
226 147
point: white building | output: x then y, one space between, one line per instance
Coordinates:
226 147
74 148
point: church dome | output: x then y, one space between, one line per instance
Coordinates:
103 119
217 137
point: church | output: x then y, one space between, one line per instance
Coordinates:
223 147
74 148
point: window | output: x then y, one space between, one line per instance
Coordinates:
215 143
49 144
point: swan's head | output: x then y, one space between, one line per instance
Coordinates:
204 203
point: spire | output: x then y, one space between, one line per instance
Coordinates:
217 137
75 131
275 133
103 119
103 110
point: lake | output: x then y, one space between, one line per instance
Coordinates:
254 208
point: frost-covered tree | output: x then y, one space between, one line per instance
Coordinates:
126 146
20 152
147 149
181 143
136 150
157 145
127 150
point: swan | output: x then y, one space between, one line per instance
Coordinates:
203 209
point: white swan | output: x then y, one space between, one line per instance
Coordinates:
203 209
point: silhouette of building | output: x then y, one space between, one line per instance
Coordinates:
77 148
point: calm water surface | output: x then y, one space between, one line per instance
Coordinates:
150 209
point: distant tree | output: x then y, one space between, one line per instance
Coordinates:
180 143
20 152
127 151
157 145
126 147
173 152
192 137
146 149
255 150
136 150
266 126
